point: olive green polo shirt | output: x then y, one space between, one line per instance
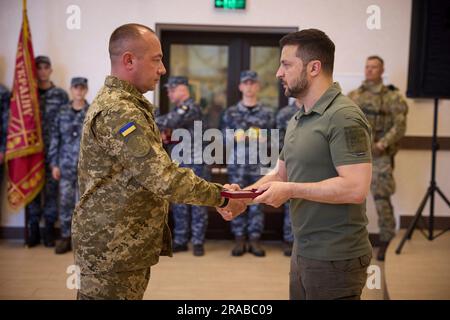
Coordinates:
334 133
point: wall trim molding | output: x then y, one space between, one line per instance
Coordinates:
440 222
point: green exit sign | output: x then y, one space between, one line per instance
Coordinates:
229 4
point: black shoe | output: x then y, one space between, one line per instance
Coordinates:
382 250
179 247
199 250
34 235
49 235
239 248
287 248
256 248
63 246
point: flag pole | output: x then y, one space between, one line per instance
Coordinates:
26 231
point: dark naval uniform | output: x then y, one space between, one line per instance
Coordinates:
63 153
183 117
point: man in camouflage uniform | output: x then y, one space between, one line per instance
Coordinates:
386 110
126 178
247 118
63 155
182 116
282 118
51 99
4 112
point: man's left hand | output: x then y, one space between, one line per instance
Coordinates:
275 193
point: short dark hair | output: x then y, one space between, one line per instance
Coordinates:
312 44
375 57
127 31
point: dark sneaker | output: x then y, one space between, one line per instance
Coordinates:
239 247
199 250
34 235
287 248
256 248
179 247
63 246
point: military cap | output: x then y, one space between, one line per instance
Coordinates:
175 81
76 81
249 75
43 59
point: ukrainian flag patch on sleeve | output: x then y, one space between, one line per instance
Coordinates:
127 129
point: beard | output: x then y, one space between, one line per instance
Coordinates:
299 88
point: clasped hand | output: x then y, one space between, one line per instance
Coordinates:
274 194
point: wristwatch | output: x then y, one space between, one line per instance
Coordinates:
225 203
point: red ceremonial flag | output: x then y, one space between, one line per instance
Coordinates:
24 147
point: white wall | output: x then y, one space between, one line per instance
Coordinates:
84 52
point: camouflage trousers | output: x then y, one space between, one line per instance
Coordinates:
126 285
67 200
195 216
250 223
45 203
287 228
382 187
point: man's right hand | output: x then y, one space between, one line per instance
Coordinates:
56 173
234 208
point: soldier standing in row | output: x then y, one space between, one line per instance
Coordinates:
63 155
5 96
183 115
386 110
51 99
247 118
282 118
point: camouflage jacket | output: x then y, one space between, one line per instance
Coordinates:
50 102
183 117
126 181
282 118
65 138
386 111
247 123
4 113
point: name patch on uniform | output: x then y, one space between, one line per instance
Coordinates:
356 139
127 129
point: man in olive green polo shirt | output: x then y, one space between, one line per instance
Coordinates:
325 169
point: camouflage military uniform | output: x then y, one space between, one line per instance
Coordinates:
386 110
246 121
4 112
50 102
282 118
183 116
63 153
126 180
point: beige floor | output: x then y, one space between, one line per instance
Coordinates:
422 270
40 274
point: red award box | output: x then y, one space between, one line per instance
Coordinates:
241 194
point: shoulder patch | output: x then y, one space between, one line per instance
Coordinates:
127 129
356 139
138 145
